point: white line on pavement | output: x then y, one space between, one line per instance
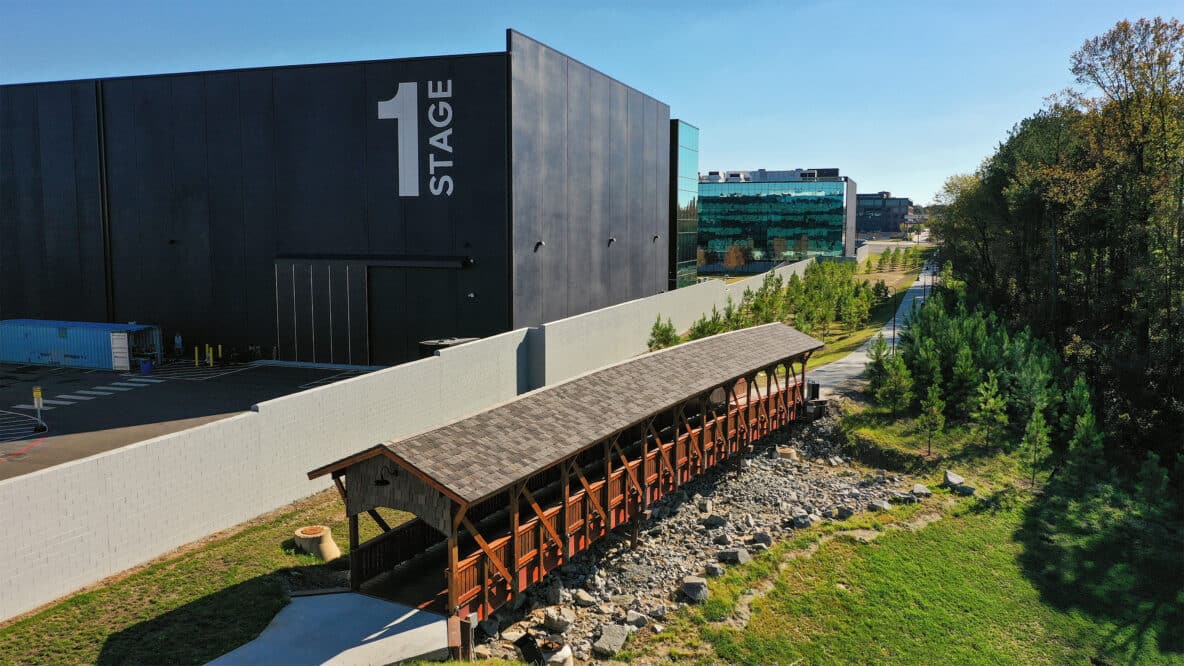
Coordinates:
59 403
95 393
44 409
125 384
70 396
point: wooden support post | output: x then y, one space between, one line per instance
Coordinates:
355 578
563 529
453 563
515 491
451 577
483 571
608 475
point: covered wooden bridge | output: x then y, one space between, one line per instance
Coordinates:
506 495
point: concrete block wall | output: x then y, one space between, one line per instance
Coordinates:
595 339
74 524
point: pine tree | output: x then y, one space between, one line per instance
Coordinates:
990 413
1035 442
1077 402
897 389
932 419
662 334
1087 453
964 379
869 266
877 354
882 263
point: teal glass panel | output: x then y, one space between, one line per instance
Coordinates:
750 227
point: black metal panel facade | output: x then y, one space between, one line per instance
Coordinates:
51 233
211 177
277 208
587 152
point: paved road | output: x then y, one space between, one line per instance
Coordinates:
846 374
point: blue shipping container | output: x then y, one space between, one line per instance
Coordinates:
73 343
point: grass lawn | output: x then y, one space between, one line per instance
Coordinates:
191 606
1009 576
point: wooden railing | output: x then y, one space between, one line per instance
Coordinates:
390 549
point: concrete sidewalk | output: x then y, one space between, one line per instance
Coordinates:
344 629
846 373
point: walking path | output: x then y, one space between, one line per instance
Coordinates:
846 373
343 629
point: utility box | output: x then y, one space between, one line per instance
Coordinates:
78 344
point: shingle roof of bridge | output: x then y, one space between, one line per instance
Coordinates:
482 454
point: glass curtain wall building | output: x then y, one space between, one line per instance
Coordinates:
883 212
684 203
748 227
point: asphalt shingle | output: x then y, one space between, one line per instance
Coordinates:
484 453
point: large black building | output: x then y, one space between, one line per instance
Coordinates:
340 212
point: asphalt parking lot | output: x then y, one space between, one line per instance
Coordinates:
91 411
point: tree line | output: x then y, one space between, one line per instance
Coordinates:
827 298
1075 227
960 364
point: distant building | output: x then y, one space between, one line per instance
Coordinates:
750 221
882 212
684 203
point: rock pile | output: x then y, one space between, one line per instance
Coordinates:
718 520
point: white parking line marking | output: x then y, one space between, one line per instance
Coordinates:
31 407
69 396
125 384
112 387
97 393
145 379
59 403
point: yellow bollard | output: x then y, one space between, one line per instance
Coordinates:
209 356
196 358
219 352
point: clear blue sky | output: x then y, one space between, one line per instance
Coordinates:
899 95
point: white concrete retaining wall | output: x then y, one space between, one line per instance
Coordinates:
595 339
72 525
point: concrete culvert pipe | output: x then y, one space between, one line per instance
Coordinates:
317 540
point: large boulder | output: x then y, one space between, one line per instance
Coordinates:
584 599
558 621
695 588
879 505
636 619
920 490
612 639
735 556
953 480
